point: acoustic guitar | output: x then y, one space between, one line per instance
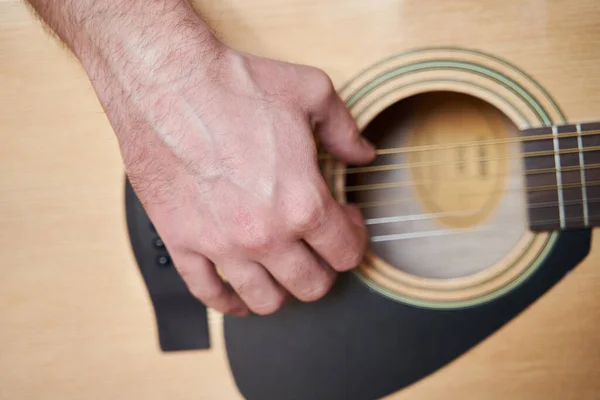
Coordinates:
481 279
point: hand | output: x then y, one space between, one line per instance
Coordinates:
227 170
220 148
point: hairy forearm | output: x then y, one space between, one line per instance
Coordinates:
131 26
138 54
130 40
219 146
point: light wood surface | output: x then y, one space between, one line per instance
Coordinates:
75 319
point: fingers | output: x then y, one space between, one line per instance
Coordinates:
336 129
340 136
353 213
204 283
341 239
255 286
297 270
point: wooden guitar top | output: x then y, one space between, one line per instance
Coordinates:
76 321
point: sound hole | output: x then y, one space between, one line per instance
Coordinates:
450 203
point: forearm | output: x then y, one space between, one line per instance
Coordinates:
219 146
140 55
130 39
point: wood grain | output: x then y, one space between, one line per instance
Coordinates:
75 319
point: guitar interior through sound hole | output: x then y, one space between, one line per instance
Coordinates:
449 202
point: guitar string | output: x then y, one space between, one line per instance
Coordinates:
543 204
422 216
408 218
480 143
538 171
534 205
401 184
396 150
396 167
449 232
426 216
412 217
462 213
385 203
409 183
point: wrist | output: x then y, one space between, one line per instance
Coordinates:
140 44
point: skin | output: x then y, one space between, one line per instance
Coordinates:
220 147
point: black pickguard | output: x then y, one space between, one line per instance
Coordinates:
180 319
353 344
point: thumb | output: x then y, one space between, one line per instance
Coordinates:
339 134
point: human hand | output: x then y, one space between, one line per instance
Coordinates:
220 148
230 178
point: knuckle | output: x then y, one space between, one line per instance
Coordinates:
261 299
248 284
217 246
184 269
323 78
258 241
214 296
184 272
177 240
349 259
308 213
353 131
307 219
323 86
209 294
253 232
244 287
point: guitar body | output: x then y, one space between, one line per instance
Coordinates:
459 295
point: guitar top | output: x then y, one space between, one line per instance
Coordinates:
482 208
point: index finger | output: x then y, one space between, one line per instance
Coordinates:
341 240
